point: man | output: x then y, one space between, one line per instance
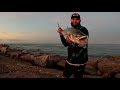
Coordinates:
77 56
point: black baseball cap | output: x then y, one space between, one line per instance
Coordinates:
75 15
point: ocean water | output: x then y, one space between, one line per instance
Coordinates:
58 49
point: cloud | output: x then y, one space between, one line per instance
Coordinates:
5 33
15 14
23 33
13 39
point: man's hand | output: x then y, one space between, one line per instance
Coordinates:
59 31
67 37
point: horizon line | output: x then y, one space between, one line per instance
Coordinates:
61 43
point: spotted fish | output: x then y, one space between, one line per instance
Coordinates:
74 35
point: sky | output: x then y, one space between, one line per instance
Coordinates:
41 27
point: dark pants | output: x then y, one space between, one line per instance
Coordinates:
77 71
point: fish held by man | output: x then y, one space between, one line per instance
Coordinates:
74 35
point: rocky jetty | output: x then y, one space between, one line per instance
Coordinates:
18 64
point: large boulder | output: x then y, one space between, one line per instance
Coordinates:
91 66
98 73
107 75
41 60
1 46
115 57
3 50
92 62
27 57
105 60
15 54
117 75
61 63
91 76
108 69
47 60
90 70
53 60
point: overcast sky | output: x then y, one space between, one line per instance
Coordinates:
41 27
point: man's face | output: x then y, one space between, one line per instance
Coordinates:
75 21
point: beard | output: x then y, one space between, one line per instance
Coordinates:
75 26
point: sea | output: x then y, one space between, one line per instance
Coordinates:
94 50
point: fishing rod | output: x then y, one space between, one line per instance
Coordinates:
58 25
66 15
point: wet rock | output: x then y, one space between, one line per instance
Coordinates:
90 70
47 60
116 57
15 54
106 75
93 63
105 60
41 60
61 63
107 56
108 69
91 76
117 75
27 57
53 60
99 73
3 50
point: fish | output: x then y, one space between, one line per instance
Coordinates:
74 35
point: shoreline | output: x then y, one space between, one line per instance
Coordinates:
61 50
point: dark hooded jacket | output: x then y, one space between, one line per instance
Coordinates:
76 54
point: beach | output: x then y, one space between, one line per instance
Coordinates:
18 64
11 68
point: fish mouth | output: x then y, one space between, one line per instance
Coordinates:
82 38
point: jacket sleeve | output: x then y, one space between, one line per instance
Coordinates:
64 42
